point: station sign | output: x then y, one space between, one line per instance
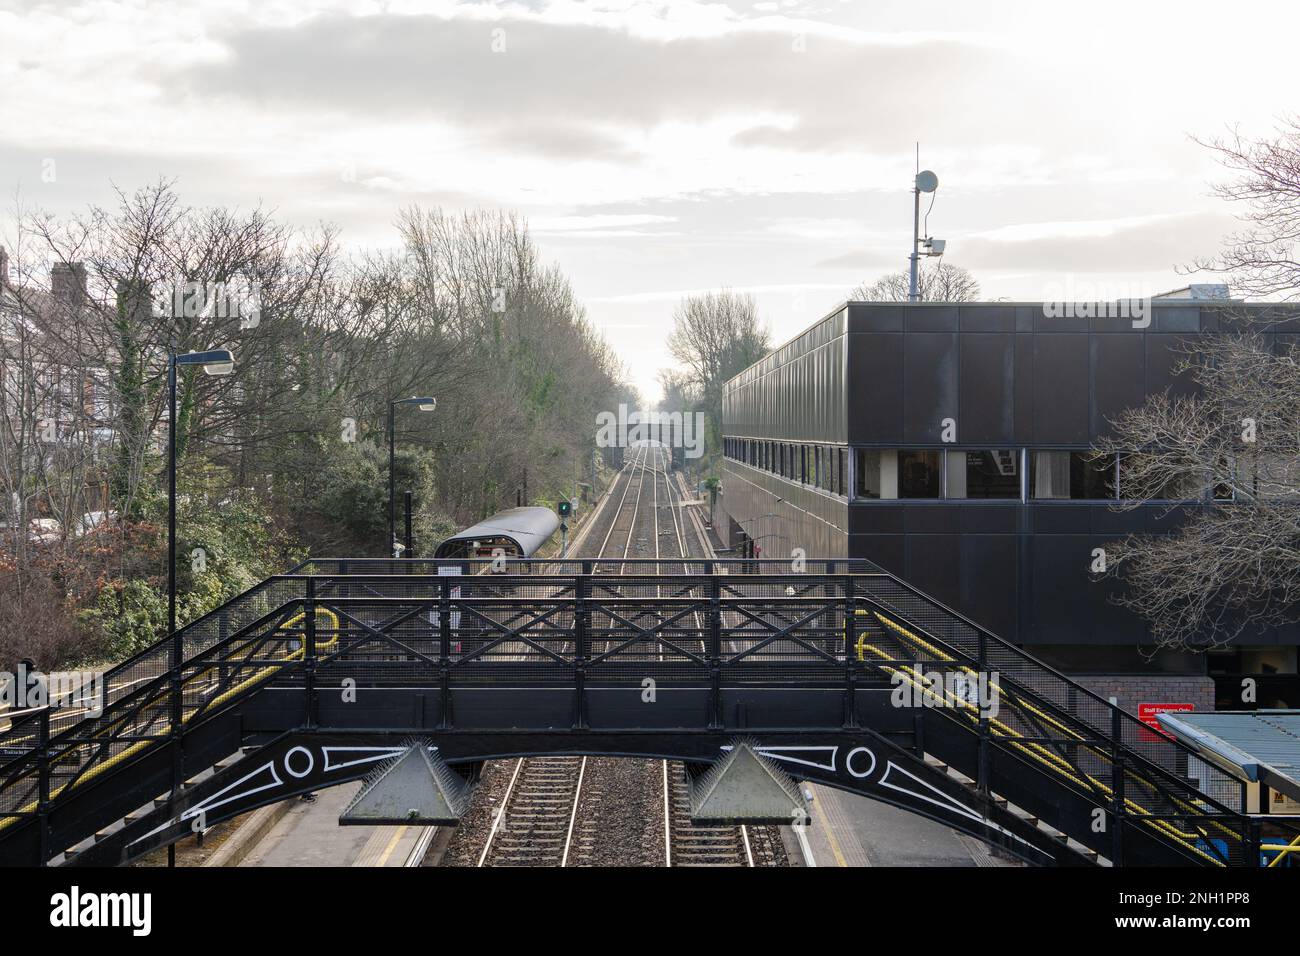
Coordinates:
1149 714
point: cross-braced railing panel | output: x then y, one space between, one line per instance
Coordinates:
577 624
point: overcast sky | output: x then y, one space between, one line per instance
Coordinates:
663 148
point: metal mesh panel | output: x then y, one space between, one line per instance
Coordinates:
688 622
1060 729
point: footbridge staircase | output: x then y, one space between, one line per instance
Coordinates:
842 674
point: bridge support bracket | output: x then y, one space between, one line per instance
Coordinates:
743 786
415 788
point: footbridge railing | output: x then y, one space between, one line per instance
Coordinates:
749 640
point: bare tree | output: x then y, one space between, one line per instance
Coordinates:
1261 256
940 282
715 336
468 311
1231 566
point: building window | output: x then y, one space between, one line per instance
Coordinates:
870 483
888 473
918 474
1074 475
984 474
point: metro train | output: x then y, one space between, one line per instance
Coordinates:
513 533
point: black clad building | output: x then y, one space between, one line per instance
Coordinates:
947 443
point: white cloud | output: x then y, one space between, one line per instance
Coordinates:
660 148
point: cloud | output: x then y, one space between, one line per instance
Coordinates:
603 221
567 89
1153 243
861 259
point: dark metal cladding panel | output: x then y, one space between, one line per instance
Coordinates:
1163 355
988 389
987 318
795 393
1118 368
934 566
1023 413
780 515
989 581
871 317
1063 601
885 550
875 393
1061 389
930 318
929 386
877 517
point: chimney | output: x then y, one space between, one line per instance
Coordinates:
68 283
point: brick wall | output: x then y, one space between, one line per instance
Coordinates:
1133 689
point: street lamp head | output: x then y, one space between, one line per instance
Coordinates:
423 403
214 361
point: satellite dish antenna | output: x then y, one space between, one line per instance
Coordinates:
926 181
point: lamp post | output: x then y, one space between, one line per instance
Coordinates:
214 362
425 404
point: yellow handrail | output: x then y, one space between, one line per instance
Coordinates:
139 746
1034 751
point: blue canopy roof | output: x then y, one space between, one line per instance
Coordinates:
1262 746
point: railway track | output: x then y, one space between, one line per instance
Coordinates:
535 824
603 811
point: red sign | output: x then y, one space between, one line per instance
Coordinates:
1149 714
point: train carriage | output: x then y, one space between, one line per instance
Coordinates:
513 533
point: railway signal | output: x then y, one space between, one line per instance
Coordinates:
564 508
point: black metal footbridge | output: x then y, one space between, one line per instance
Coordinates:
843 674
